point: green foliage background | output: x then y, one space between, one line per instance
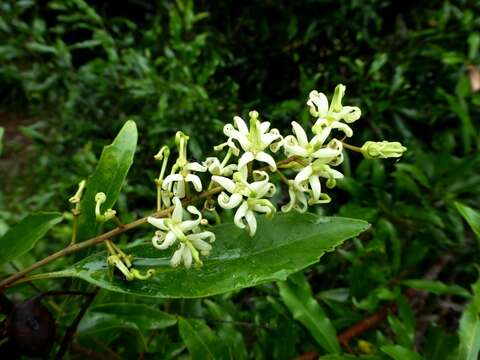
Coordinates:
73 71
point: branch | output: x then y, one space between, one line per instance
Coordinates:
72 329
418 297
96 240
112 233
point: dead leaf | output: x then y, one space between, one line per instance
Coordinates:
474 75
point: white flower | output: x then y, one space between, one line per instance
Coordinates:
216 168
175 228
298 199
299 145
310 176
248 195
330 117
253 141
179 180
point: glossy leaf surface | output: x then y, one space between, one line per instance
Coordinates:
297 295
469 329
471 216
108 177
23 236
201 341
281 246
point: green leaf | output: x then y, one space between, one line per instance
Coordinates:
281 246
110 320
227 331
473 45
201 341
469 329
297 295
472 217
108 177
436 287
23 236
144 316
398 352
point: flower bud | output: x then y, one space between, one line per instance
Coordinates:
75 199
382 149
163 152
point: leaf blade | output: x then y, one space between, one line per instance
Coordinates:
398 352
469 329
23 236
298 297
471 216
282 246
108 177
201 341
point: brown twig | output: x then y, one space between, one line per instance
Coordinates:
111 234
72 329
365 324
94 241
86 353
418 299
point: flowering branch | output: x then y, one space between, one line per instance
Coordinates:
239 184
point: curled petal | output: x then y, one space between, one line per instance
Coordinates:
276 144
224 182
162 224
315 186
195 166
229 169
300 133
231 202
213 165
302 204
263 206
166 197
202 236
324 199
241 125
289 206
171 179
264 126
169 240
245 159
336 105
230 131
342 127
201 245
251 222
187 257
179 188
269 138
326 153
266 189
177 214
335 174
323 134
177 256
241 211
318 103
304 174
233 147
351 113
189 225
195 180
292 147
266 158
158 238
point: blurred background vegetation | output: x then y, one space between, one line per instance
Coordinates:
73 71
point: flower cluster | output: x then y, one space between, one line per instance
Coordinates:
304 161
